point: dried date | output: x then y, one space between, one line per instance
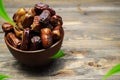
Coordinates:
36 26
44 17
56 21
25 39
6 27
35 43
57 33
28 20
13 40
46 37
40 7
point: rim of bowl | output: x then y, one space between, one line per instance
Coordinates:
31 51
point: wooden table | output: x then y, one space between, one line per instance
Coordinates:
91 43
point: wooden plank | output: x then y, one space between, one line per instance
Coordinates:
78 62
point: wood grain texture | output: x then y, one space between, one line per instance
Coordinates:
91 43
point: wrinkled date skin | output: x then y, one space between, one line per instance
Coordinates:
18 14
56 21
36 25
46 37
19 17
52 12
18 32
28 20
40 7
49 26
57 31
45 17
7 27
25 39
31 11
35 43
13 40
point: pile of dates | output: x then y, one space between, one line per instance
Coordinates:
36 28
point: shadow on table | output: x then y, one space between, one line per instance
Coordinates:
47 70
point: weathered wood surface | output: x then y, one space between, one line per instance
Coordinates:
91 43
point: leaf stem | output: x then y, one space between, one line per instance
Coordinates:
4 14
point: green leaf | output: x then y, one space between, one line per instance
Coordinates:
114 70
3 77
4 14
59 54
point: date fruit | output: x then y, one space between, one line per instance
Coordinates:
35 43
28 20
13 40
56 21
40 7
31 11
7 27
18 32
57 33
44 17
36 25
46 37
18 14
52 11
25 39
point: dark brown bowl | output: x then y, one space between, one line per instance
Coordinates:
35 58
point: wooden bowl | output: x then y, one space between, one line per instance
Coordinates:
35 58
